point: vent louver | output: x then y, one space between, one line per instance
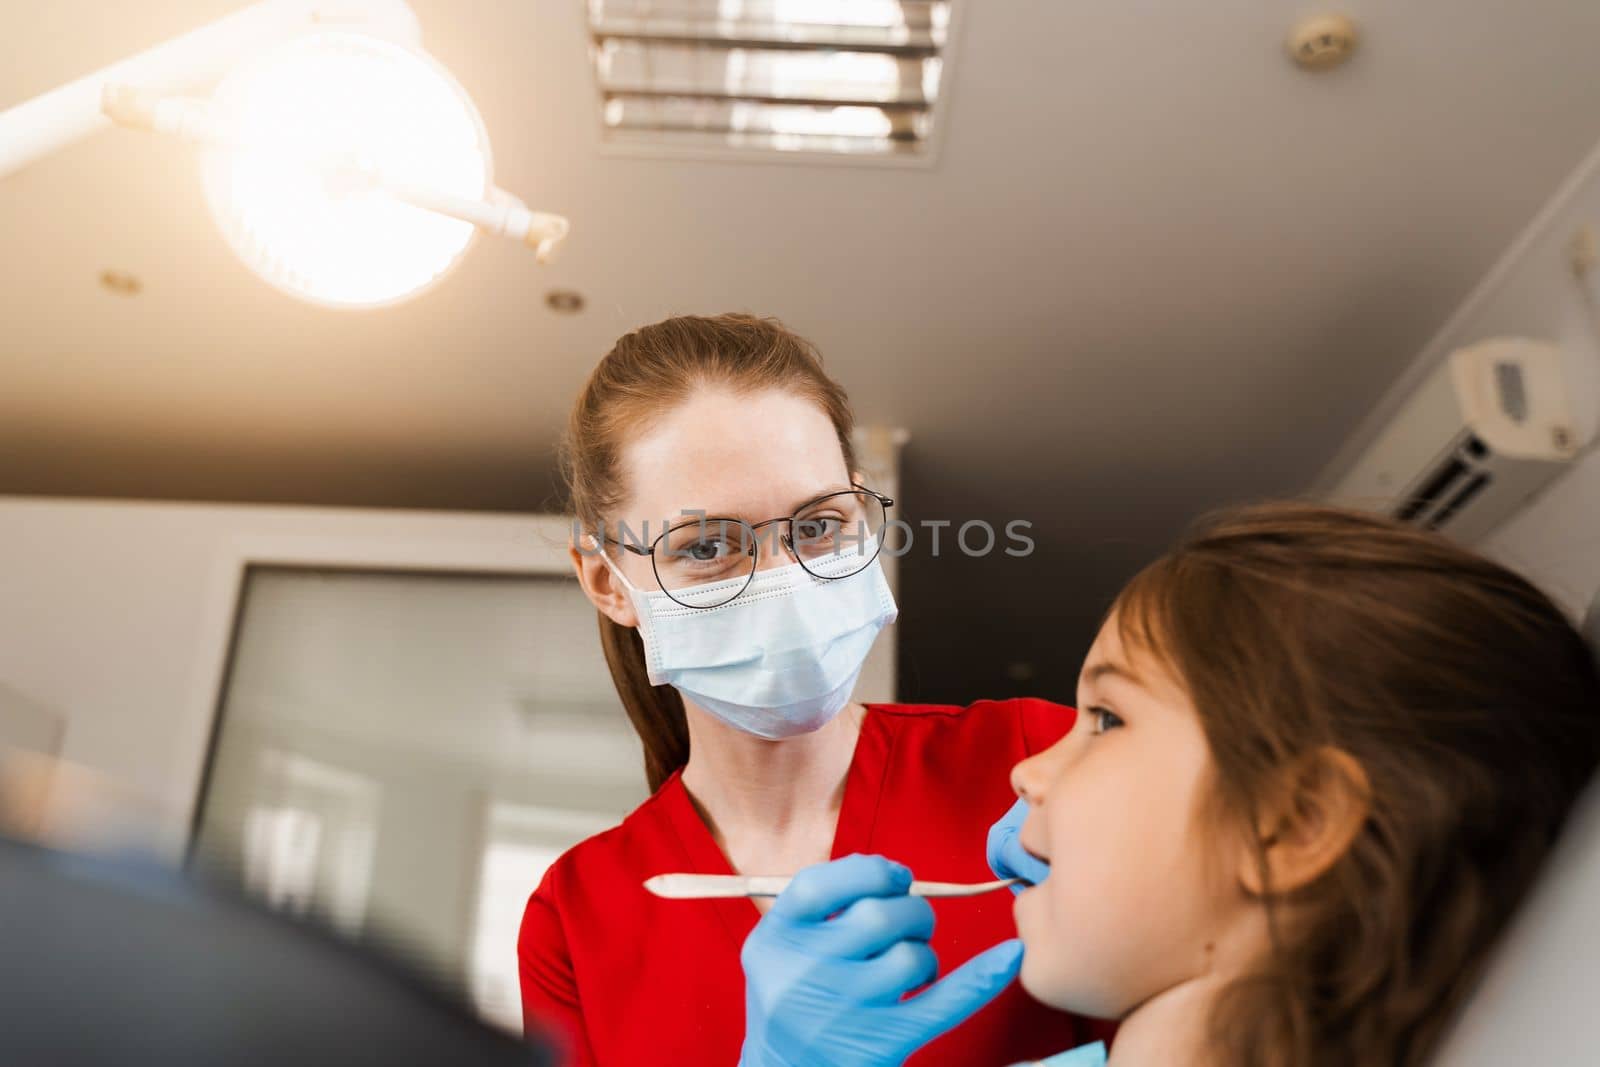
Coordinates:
1445 489
851 77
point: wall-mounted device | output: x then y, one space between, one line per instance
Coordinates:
1491 426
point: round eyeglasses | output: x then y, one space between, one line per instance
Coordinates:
705 562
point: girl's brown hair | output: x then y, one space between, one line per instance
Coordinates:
644 376
1468 699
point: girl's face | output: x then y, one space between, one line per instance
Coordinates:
1143 893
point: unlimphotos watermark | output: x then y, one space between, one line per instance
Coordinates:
974 538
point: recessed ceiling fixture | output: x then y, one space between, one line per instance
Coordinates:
120 282
850 77
1323 42
564 301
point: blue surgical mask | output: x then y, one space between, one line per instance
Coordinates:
779 659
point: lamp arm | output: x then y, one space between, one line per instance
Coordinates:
196 121
502 214
48 123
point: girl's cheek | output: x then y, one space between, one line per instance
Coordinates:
1074 844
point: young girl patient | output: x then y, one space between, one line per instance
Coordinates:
1319 760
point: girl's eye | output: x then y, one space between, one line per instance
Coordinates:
1103 719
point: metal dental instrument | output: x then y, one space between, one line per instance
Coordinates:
726 886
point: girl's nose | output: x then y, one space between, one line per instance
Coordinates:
1032 778
1028 779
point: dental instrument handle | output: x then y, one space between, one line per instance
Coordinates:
729 886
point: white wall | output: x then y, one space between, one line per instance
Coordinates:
118 615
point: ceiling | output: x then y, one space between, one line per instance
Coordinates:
1155 269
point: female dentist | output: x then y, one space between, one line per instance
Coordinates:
731 550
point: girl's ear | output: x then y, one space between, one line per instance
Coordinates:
604 590
1321 806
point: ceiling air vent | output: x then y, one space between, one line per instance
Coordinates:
848 77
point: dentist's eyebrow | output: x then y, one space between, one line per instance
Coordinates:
690 516
819 494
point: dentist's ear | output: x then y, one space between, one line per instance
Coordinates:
1309 824
600 584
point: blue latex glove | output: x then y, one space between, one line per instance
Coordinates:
1007 857
826 970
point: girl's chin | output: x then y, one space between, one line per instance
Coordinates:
1037 982
1046 975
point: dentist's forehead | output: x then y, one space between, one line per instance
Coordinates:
750 456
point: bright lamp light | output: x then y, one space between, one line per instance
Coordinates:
305 122
344 166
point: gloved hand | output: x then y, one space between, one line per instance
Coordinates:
1007 857
826 968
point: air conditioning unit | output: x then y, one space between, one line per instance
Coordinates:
1489 427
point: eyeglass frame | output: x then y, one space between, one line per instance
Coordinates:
755 552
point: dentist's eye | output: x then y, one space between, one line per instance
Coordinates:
1103 719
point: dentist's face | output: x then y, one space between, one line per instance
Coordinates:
1139 888
747 456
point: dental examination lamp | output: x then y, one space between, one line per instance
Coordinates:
343 164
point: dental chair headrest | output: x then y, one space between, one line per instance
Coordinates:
1536 1005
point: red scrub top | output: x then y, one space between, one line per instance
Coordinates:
627 978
